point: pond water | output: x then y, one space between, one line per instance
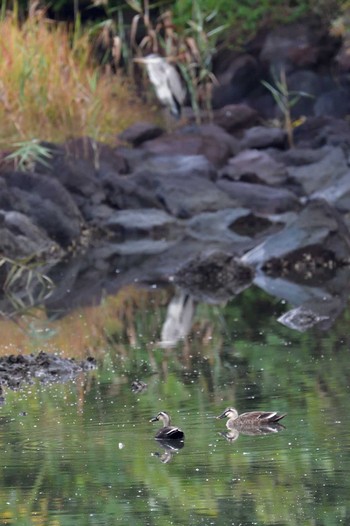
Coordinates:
83 452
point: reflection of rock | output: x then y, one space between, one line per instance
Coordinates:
178 320
215 277
149 222
306 264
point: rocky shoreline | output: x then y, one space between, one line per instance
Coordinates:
211 208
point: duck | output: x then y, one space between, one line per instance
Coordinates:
250 420
138 386
167 432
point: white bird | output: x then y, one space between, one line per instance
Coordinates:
166 81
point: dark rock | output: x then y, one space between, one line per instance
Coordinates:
214 277
317 175
317 240
151 184
260 198
237 76
100 156
262 137
150 222
237 228
316 132
140 132
235 117
299 156
298 45
183 196
47 203
342 58
210 141
176 166
132 158
335 103
312 85
336 194
16 370
21 238
124 192
255 166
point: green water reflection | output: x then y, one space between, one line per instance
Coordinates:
83 453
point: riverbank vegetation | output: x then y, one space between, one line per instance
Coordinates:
67 68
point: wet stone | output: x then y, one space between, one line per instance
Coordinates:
17 369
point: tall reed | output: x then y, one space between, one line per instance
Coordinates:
49 88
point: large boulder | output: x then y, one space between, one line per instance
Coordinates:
46 202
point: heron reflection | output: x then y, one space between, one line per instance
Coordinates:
178 320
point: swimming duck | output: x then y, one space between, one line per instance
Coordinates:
138 386
167 431
252 419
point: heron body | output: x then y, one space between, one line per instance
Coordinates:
166 82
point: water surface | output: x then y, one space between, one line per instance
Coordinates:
84 453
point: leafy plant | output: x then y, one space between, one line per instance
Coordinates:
285 100
28 153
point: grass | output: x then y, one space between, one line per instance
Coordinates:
49 88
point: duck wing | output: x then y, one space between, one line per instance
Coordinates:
172 432
270 417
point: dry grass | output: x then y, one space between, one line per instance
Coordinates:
84 332
50 90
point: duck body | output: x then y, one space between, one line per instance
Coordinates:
167 432
252 419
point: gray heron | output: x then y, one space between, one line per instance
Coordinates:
166 82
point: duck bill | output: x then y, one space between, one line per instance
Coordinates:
154 419
223 415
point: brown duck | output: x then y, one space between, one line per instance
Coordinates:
252 419
167 431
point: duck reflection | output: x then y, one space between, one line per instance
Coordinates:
170 447
233 433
